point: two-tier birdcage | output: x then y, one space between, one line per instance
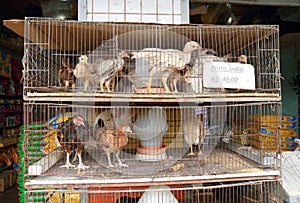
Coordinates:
136 112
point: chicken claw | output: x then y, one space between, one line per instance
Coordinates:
123 165
120 162
67 165
107 85
81 167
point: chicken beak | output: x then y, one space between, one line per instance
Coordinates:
125 55
128 130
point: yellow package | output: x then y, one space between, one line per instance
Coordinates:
288 119
288 146
63 196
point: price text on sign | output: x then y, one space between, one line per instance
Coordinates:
228 75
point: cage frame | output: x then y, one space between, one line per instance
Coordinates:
46 26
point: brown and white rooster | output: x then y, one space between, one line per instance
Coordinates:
69 139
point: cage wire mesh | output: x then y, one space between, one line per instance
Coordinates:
127 142
266 191
156 61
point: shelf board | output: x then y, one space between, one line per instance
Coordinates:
72 181
8 142
110 97
253 154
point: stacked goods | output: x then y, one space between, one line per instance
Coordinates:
263 132
288 133
5 65
8 157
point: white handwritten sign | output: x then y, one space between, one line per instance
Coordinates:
228 75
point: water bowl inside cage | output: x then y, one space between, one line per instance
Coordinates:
150 127
151 153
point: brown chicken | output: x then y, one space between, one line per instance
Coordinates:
66 76
112 141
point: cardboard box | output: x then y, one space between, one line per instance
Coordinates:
4 181
8 178
12 176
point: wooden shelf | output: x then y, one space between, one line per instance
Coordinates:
8 142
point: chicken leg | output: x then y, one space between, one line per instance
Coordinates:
108 158
191 147
68 164
107 85
101 87
80 165
149 83
119 160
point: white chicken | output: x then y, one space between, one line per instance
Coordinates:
83 71
164 62
194 133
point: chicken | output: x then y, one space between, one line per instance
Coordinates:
66 76
165 61
108 69
242 59
194 71
194 133
84 71
112 141
68 138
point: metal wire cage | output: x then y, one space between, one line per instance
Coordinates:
133 143
267 191
156 63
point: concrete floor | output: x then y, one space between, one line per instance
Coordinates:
10 195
